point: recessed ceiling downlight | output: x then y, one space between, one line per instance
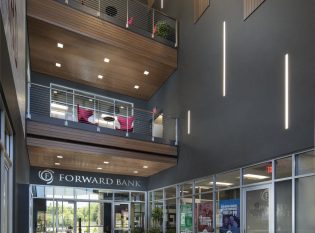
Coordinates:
136 87
60 45
58 65
146 73
107 60
100 76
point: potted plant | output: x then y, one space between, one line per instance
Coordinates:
157 217
164 30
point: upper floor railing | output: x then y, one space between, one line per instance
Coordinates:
132 15
63 105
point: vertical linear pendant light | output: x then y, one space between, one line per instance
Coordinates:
286 93
224 59
188 122
162 4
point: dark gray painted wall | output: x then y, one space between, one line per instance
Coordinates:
248 125
46 80
21 161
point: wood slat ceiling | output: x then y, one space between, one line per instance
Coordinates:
87 41
43 153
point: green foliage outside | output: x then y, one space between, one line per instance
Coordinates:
164 30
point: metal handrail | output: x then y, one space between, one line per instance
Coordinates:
131 8
41 100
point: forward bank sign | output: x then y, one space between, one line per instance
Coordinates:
86 179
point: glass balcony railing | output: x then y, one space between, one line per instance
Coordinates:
99 113
133 15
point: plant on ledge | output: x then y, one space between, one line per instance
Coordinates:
157 216
164 30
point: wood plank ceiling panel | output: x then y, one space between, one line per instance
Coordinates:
87 41
43 153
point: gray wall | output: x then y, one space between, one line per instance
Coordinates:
246 126
21 162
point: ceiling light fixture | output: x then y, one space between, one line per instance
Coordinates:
59 156
60 45
57 164
136 87
145 166
136 172
58 64
222 183
106 162
107 60
100 76
255 177
55 92
146 73
57 113
99 168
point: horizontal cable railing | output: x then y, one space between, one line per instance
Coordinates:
69 105
132 15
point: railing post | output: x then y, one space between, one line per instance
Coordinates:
176 131
99 8
153 22
66 115
176 34
29 101
127 25
152 126
127 132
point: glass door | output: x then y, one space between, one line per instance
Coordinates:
257 209
65 217
121 217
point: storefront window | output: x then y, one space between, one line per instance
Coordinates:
121 196
283 167
158 194
170 215
257 173
186 189
305 163
170 192
227 180
283 204
305 200
204 212
135 196
137 215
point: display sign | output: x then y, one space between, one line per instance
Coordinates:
229 216
186 218
204 217
48 176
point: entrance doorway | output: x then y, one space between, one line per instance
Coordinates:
258 209
121 217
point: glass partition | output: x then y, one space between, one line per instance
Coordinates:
257 173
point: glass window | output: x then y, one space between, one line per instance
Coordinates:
283 167
96 217
227 180
135 196
81 193
228 210
170 192
158 194
305 163
83 215
64 192
257 173
204 185
170 215
137 217
305 200
49 191
122 196
204 212
38 191
185 189
96 194
283 212
157 215
186 215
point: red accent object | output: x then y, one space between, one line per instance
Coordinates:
130 21
269 169
84 114
126 123
154 29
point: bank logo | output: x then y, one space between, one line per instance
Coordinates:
46 175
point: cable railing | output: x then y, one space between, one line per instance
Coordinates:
132 15
72 107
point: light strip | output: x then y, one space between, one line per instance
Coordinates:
222 183
286 107
256 177
162 4
188 122
224 59
59 106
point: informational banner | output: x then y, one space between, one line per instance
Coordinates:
48 176
204 217
186 218
229 218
